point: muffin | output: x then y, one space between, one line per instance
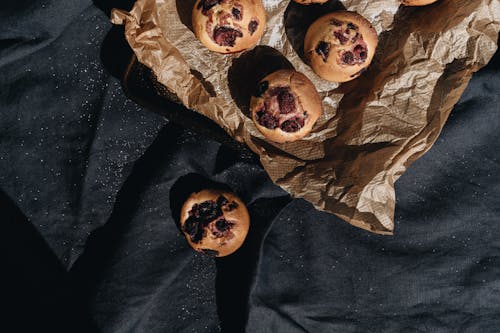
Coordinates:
417 2
340 45
214 222
285 106
228 26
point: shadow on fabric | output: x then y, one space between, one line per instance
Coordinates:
236 273
37 292
88 270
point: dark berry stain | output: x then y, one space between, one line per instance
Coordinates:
194 229
280 104
230 206
202 214
225 36
323 49
225 204
335 23
266 119
209 252
221 228
355 38
339 34
252 26
352 26
361 52
292 125
236 13
221 200
286 100
223 225
262 88
207 210
348 58
206 5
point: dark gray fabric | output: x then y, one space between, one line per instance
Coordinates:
90 184
69 135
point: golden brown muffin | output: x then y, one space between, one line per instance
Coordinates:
340 45
214 222
285 106
308 2
228 26
417 2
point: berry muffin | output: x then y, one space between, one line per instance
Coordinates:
339 46
214 222
228 26
285 106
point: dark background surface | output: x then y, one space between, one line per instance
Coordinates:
89 244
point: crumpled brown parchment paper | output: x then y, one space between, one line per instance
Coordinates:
372 128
